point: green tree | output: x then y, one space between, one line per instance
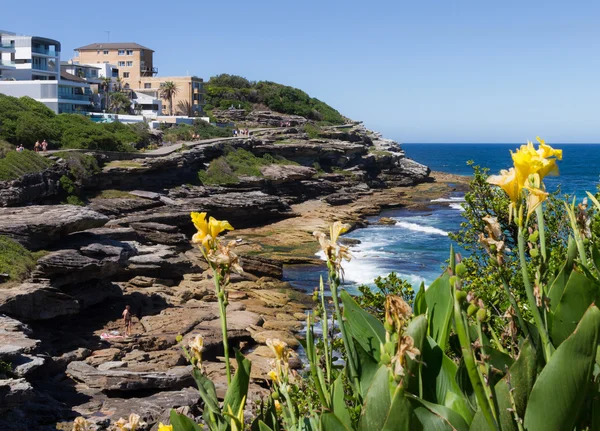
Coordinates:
167 92
184 107
120 103
106 86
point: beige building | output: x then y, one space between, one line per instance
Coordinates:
189 99
133 60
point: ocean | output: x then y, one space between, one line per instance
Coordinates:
417 246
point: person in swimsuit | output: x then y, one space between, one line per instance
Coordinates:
127 319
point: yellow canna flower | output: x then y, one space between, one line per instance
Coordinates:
208 230
536 194
81 424
273 375
277 405
278 347
162 427
197 347
507 180
547 151
337 228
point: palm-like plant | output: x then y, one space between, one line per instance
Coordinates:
106 85
167 92
120 103
185 107
119 82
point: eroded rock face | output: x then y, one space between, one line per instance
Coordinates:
14 338
36 301
32 187
278 174
14 392
125 380
39 226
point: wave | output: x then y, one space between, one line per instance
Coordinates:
420 228
457 207
450 199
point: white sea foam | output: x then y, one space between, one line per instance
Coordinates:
450 199
420 228
457 207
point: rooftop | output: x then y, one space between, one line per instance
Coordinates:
115 45
69 77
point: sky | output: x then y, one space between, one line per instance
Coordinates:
417 71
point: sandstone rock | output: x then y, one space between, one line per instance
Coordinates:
239 320
14 338
58 364
141 281
93 292
26 364
36 301
32 187
14 392
121 206
160 233
386 221
278 174
283 325
145 194
123 380
112 365
159 261
260 266
36 227
104 355
261 336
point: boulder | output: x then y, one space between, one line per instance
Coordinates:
126 381
32 187
261 267
24 365
161 261
261 336
119 206
14 392
14 338
160 233
36 227
279 174
36 301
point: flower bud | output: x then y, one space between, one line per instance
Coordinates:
461 270
461 296
472 310
390 347
534 252
481 315
454 280
385 359
275 395
388 327
534 236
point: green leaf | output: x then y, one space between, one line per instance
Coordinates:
207 391
439 306
439 417
558 285
561 388
339 404
365 328
182 422
329 421
377 402
367 367
400 415
417 329
522 376
580 292
238 389
420 304
263 426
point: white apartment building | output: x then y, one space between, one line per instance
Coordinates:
30 66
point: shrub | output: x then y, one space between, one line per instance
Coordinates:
16 260
374 301
68 185
5 148
219 172
74 200
16 164
312 131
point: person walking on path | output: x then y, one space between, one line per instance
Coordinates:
127 319
20 148
36 147
44 146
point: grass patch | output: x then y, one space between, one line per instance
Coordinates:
114 194
74 200
123 164
235 163
373 150
16 260
15 165
312 131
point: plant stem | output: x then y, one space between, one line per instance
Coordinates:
542 232
333 284
220 291
514 304
471 366
531 298
325 330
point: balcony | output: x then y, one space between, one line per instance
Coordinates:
7 64
43 51
43 67
83 97
6 46
148 70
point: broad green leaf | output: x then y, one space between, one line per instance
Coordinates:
263 426
522 376
238 389
580 292
400 415
367 367
558 285
439 307
417 329
207 391
365 328
438 373
182 422
561 388
420 304
339 404
441 417
329 421
377 402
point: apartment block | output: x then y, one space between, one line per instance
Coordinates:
133 60
33 57
189 99
7 52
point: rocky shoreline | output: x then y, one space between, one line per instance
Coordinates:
61 329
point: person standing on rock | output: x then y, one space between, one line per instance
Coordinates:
127 319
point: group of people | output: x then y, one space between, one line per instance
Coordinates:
40 146
241 132
284 124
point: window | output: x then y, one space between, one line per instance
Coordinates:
121 52
105 52
130 52
105 62
147 85
129 63
98 52
125 74
121 64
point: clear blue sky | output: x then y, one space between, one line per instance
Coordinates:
418 71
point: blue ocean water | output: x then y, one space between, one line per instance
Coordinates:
417 246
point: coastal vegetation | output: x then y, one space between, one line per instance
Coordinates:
224 91
229 168
15 260
440 363
168 90
15 164
199 130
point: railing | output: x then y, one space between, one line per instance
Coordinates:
7 63
75 97
43 51
43 67
6 46
149 70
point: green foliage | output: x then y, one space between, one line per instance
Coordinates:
74 200
5 148
374 301
16 260
223 91
235 163
68 185
6 370
200 130
312 131
114 194
25 121
16 164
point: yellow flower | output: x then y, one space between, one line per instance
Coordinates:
224 256
162 427
337 228
197 347
208 230
529 161
507 180
278 347
217 226
536 194
273 376
131 424
547 151
277 406
81 424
